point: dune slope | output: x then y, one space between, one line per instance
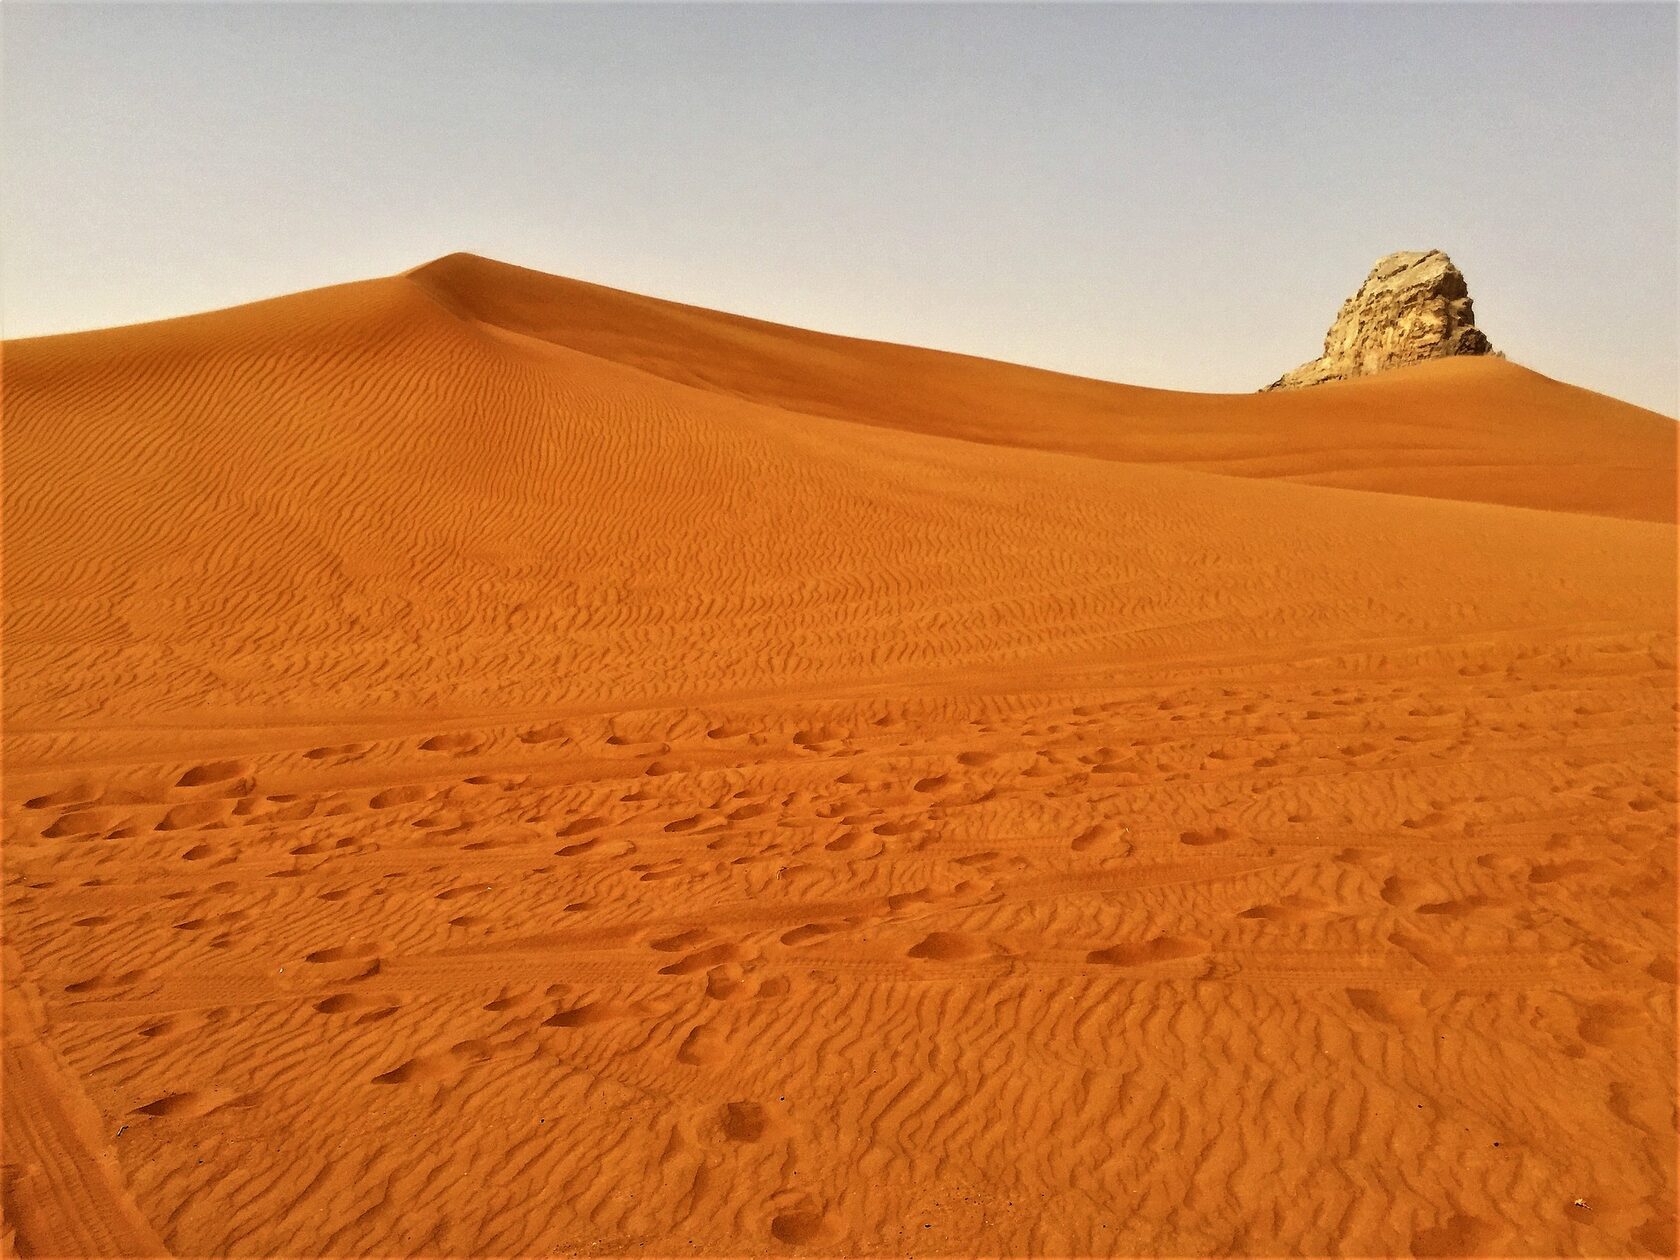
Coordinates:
495 765
1466 428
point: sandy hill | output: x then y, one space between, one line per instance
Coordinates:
495 763
1488 431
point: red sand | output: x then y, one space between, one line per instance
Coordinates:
499 765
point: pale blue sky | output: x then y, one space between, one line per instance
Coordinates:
1176 196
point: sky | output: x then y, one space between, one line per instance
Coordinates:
1177 196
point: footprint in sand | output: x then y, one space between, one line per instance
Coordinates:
216 772
1609 1024
1406 894
1160 949
800 1220
551 733
337 964
951 947
589 1014
704 959
746 1122
1400 1007
1423 952
194 1103
1291 909
347 1003
338 752
84 822
395 797
118 980
442 1065
1198 839
78 794
1107 837
703 1045
808 932
680 941
459 743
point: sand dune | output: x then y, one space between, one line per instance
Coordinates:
1477 429
495 764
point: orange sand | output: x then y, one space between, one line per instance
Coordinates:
499 765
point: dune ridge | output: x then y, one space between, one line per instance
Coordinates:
1488 431
494 763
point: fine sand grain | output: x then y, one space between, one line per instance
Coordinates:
498 765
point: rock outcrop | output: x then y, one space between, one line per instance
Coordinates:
1413 306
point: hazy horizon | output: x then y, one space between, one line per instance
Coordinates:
1177 197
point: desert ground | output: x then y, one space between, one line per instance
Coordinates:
497 765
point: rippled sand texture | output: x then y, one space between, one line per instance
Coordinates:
499 765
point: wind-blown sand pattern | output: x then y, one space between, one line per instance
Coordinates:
497 765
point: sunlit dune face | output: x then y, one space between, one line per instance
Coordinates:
497 765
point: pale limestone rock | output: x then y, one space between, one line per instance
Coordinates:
1413 306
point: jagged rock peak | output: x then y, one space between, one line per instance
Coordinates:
1413 306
